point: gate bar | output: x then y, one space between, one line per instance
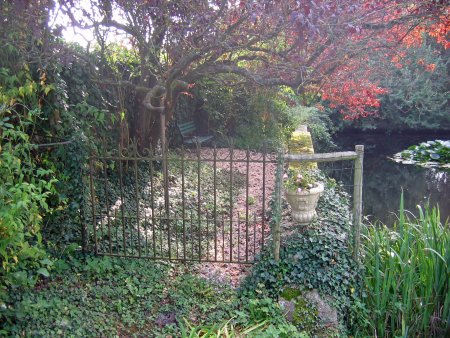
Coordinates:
324 157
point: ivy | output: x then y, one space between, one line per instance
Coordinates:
319 258
127 297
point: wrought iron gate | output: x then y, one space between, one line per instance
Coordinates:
209 205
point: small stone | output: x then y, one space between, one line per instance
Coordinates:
326 313
165 318
288 308
148 212
293 303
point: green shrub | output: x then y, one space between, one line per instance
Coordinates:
251 116
24 191
26 184
47 103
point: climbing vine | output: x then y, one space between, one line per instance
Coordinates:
319 258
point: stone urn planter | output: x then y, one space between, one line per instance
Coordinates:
303 203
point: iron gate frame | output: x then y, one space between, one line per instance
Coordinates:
131 158
267 158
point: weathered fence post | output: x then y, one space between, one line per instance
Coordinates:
277 212
357 198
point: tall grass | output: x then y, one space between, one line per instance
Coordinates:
407 276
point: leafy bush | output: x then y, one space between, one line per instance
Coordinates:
46 95
24 191
251 116
26 185
417 95
417 98
266 120
81 118
407 278
62 227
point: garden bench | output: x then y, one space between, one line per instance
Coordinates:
188 133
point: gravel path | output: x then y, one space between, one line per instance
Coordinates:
247 191
233 273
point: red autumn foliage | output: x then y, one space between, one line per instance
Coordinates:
350 89
310 45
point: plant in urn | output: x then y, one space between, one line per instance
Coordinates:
302 192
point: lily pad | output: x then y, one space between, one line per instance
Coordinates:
429 154
435 156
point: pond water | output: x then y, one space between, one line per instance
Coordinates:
385 179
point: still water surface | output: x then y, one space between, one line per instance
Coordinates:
385 179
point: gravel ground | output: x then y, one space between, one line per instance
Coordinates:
233 273
247 189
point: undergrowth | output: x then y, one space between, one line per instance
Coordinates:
122 297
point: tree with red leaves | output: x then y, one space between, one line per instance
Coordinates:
309 45
387 43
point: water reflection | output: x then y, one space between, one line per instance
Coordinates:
384 179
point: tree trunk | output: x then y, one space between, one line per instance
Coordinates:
145 121
144 125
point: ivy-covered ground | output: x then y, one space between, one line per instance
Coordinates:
95 296
109 297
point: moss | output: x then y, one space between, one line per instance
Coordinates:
291 293
305 315
301 143
302 140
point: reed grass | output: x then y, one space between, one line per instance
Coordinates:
407 276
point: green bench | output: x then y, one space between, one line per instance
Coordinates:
188 133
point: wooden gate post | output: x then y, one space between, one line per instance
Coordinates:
277 212
357 199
